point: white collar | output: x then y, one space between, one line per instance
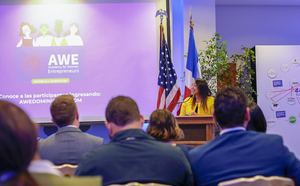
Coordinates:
231 129
70 126
43 166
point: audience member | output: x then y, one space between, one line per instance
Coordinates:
69 143
163 127
18 139
238 153
200 102
257 121
132 155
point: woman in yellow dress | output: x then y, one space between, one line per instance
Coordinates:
200 102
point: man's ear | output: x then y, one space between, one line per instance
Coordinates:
142 120
110 128
107 125
77 115
247 115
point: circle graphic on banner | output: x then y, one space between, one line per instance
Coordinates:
272 73
291 100
285 67
274 106
292 119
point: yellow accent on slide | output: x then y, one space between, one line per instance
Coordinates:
50 81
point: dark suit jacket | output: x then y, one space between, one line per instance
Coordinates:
68 145
134 156
243 154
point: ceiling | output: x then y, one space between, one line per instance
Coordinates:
259 2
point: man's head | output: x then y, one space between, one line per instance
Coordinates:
64 111
230 108
122 113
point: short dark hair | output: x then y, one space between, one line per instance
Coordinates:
18 139
122 110
163 126
63 110
230 107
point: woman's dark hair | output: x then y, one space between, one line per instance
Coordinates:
257 121
18 139
203 92
163 126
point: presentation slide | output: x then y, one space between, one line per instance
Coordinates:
278 91
94 51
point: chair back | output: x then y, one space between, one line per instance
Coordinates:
66 169
139 184
259 181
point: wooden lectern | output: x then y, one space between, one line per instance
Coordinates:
197 129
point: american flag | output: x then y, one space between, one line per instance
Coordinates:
169 92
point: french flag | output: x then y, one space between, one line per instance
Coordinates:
192 70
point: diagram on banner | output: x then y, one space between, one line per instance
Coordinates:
277 80
278 91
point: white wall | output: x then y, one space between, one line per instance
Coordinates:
204 17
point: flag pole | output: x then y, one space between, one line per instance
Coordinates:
191 21
161 13
169 92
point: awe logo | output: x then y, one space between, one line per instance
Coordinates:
63 60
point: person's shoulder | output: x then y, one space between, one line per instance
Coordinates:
93 138
166 149
99 156
47 140
188 99
103 150
49 180
266 137
201 148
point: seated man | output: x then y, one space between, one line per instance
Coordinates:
238 153
69 143
132 155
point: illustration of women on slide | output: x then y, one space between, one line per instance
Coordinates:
59 40
73 38
45 38
25 32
